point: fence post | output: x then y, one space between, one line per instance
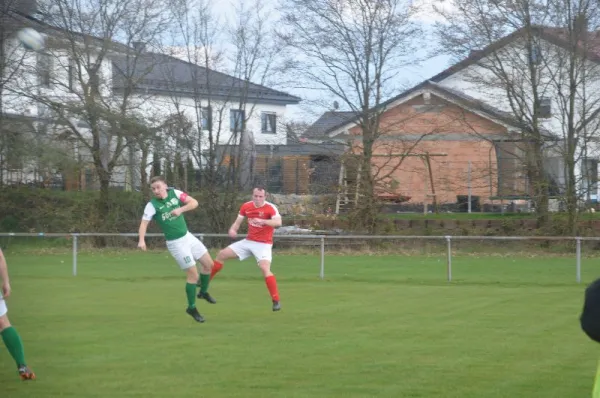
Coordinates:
74 254
322 274
578 254
449 242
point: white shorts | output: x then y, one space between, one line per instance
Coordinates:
186 250
246 248
3 309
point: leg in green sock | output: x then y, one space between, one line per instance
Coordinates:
190 291
204 281
13 343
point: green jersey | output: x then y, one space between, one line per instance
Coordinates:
160 210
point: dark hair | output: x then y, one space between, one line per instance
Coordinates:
260 188
157 179
590 315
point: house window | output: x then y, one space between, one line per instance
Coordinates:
536 54
42 111
545 110
44 69
95 81
268 122
236 120
72 74
590 178
206 121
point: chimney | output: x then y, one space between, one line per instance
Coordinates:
139 46
27 7
7 21
474 53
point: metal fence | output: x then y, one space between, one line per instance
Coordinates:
321 240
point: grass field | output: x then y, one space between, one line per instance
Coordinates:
377 326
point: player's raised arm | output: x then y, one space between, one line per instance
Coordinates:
273 222
235 226
189 203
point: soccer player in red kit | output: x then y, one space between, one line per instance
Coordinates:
263 218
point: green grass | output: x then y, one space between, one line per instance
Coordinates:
460 216
485 216
377 326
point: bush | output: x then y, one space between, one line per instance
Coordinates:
41 210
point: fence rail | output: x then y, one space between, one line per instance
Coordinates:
322 238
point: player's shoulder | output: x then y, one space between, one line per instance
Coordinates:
244 208
272 206
178 193
247 204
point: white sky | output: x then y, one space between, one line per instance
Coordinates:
411 77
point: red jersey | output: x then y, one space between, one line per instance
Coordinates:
263 233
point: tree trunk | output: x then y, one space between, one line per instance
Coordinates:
145 188
571 198
366 209
540 186
103 206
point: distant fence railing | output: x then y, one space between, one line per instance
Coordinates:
323 238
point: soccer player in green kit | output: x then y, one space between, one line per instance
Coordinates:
166 209
9 334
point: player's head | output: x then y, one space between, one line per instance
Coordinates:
258 196
590 316
158 184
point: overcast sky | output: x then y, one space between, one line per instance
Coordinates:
309 113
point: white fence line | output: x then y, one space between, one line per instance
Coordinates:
322 238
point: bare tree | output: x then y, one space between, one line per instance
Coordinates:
535 61
574 71
10 60
216 84
88 75
353 50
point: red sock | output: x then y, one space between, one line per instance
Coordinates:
217 266
272 286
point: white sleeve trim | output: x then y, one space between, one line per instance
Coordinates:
276 210
149 212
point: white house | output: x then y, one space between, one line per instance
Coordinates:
157 87
473 85
550 54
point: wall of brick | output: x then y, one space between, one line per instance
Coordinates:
452 137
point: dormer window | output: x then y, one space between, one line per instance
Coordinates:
44 69
536 54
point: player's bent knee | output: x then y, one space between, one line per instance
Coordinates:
192 271
206 262
225 254
265 267
4 322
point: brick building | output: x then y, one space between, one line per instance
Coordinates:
457 132
436 143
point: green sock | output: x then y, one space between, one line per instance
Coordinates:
190 291
13 342
204 281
